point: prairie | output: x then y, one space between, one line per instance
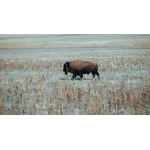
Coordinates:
32 81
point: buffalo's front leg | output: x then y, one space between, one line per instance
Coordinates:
73 76
81 76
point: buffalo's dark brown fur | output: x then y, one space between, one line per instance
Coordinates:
79 67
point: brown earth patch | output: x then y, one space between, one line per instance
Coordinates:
132 43
37 44
5 45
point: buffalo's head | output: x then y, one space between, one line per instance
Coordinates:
66 68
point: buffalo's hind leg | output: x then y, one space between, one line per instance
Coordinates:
97 75
93 75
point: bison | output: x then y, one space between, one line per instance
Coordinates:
79 67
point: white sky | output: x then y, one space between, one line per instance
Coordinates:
63 17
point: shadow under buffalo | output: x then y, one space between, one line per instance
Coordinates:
74 79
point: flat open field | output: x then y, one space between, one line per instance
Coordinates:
32 80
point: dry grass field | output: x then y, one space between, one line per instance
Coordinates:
32 81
